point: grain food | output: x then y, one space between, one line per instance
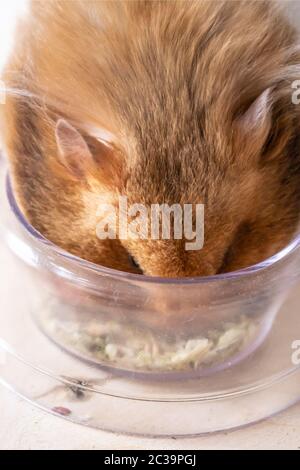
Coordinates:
127 346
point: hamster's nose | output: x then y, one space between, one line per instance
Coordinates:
168 305
195 268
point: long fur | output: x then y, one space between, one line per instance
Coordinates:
170 80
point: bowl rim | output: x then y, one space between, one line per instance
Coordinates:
122 275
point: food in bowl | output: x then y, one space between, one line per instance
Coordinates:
131 347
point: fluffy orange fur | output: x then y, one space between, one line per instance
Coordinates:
196 98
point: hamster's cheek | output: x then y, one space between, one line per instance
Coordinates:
108 253
253 249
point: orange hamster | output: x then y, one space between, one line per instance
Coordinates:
162 102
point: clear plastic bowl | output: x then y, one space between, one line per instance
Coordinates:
145 325
135 351
167 357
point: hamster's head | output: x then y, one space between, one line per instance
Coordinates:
189 199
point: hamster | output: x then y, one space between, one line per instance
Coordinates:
161 102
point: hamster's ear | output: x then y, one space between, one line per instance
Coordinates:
255 124
73 151
87 156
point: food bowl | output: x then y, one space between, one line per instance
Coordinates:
144 325
103 337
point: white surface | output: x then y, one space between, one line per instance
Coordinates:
24 427
9 12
